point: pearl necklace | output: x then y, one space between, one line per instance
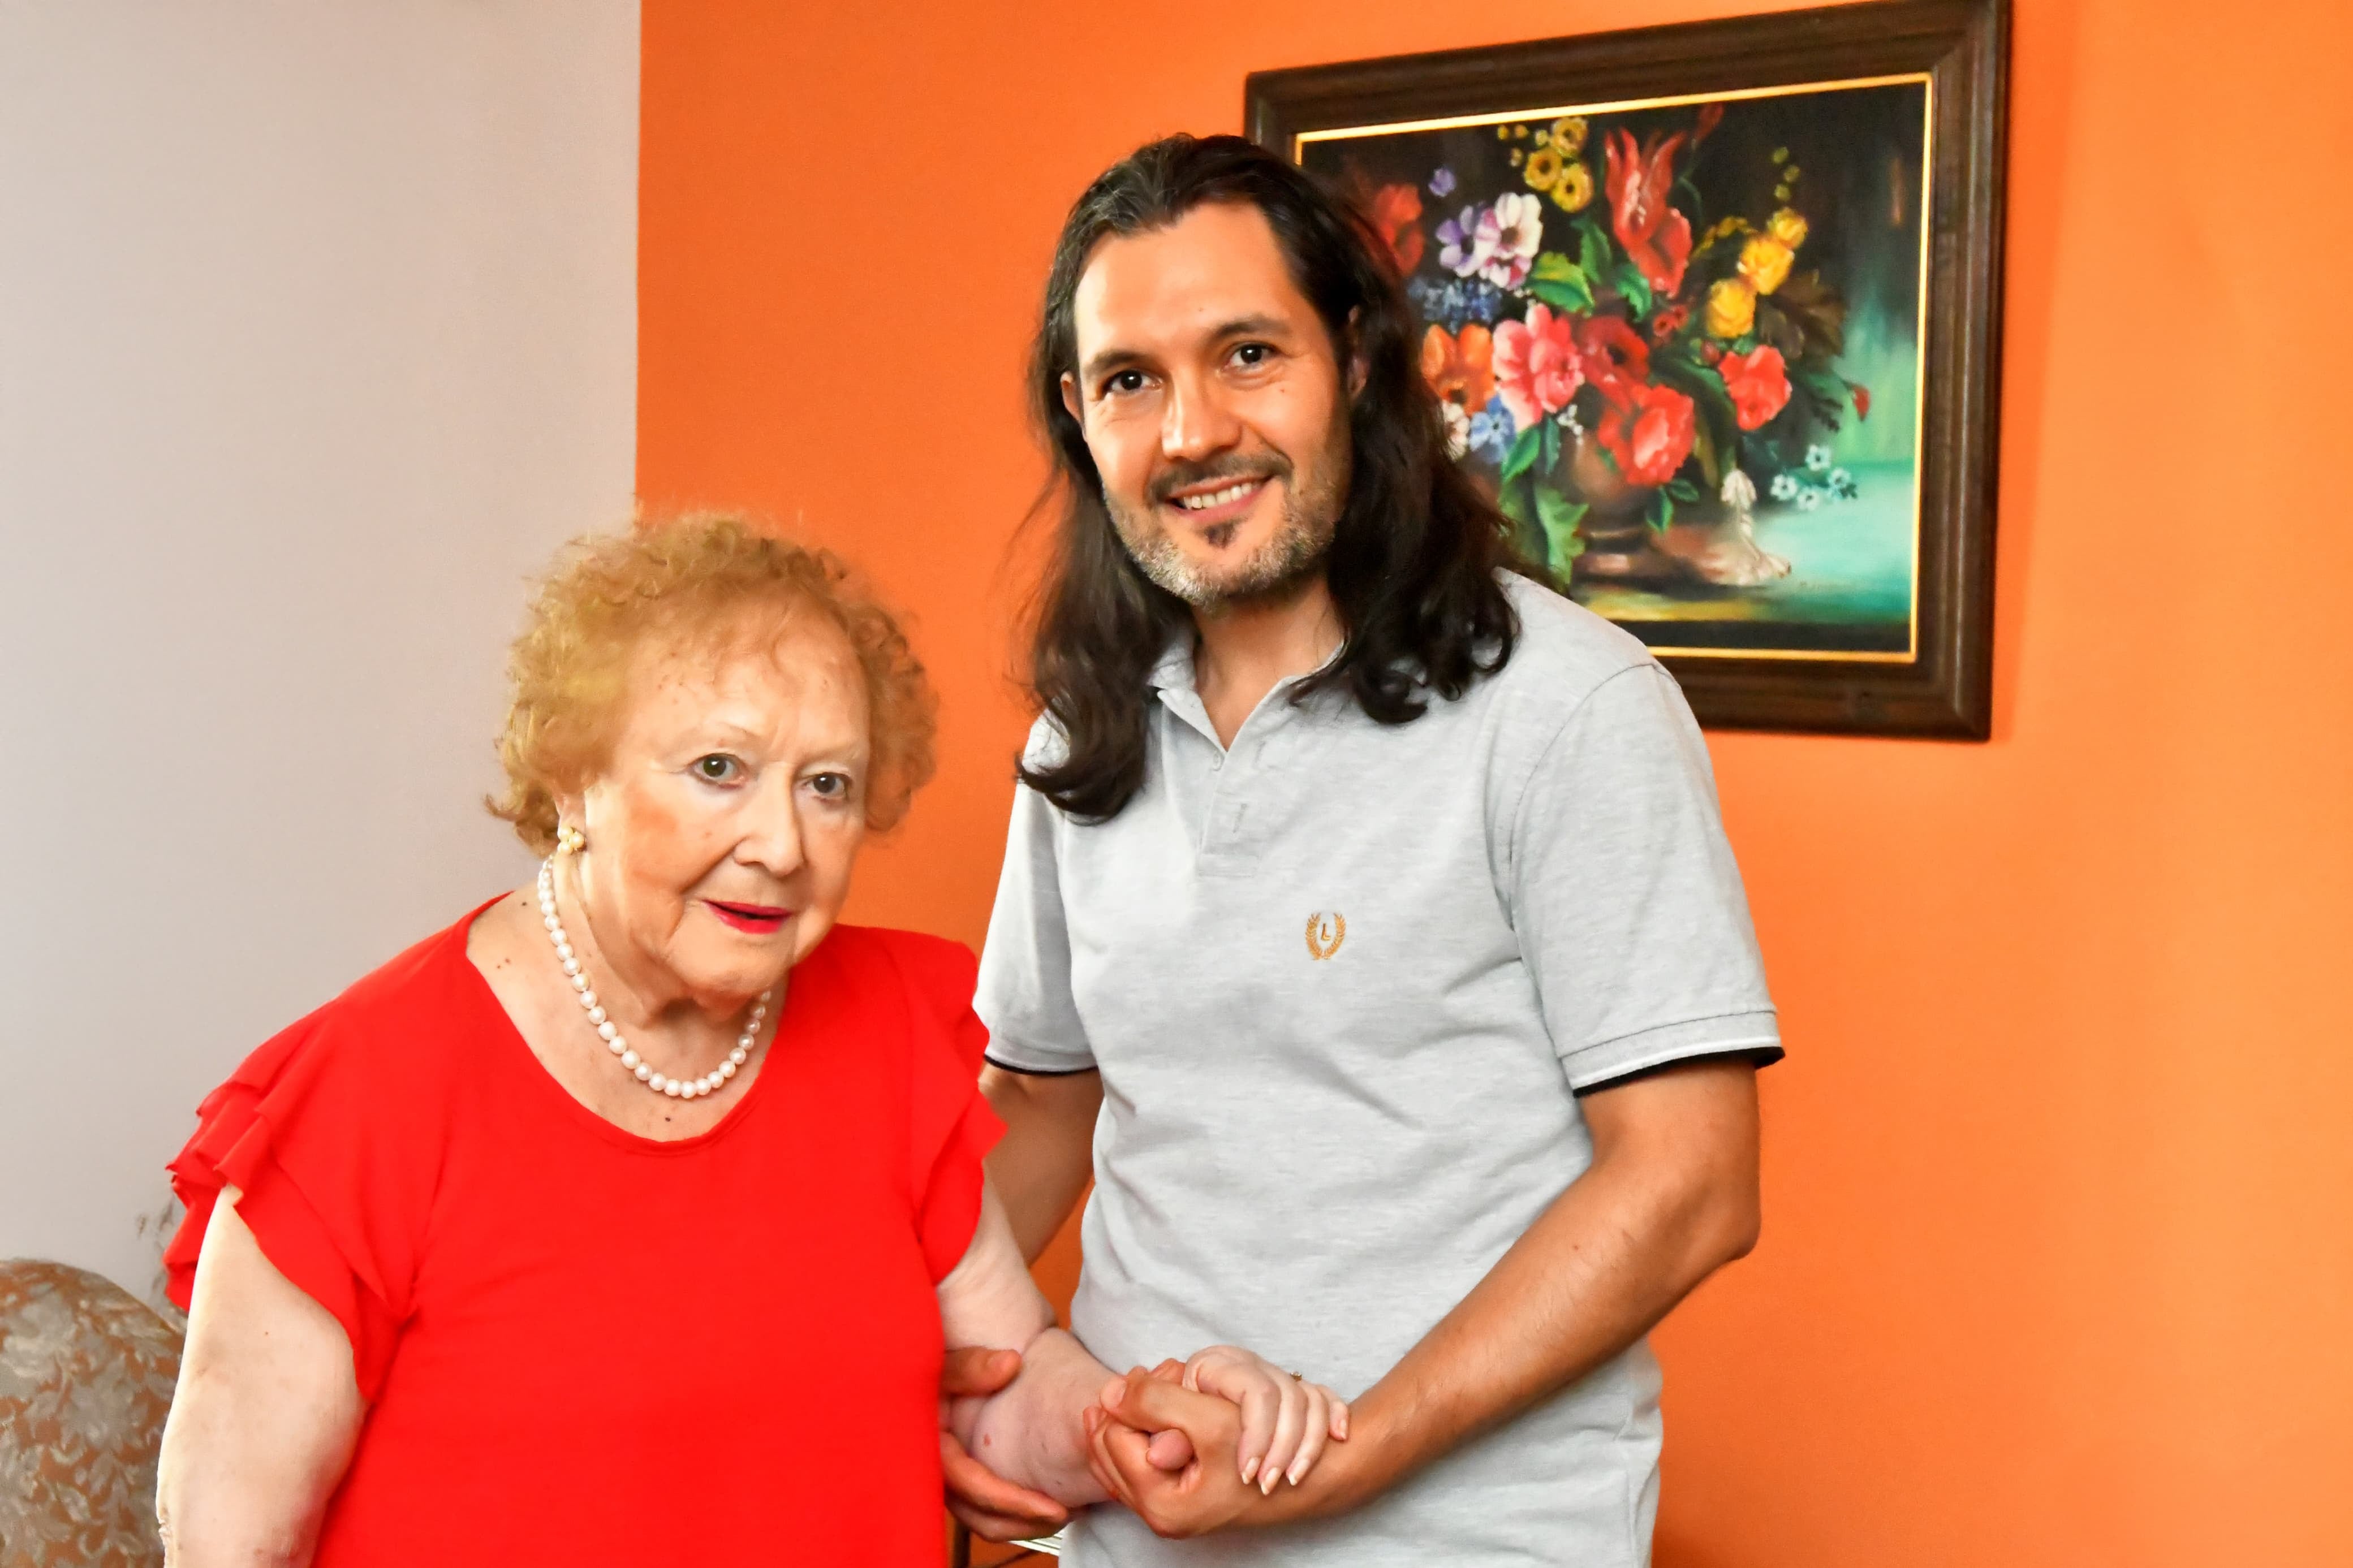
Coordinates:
676 1088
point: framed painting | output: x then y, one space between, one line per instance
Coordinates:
1714 312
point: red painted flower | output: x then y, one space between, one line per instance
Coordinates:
1646 429
1396 217
1861 400
1759 382
1537 366
1654 234
1669 321
1613 352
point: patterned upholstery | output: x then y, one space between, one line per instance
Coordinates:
85 1376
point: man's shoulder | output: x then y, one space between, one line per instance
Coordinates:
1046 745
1564 652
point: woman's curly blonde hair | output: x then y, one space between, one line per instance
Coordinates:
700 580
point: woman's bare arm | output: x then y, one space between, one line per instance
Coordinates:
1031 1433
265 1416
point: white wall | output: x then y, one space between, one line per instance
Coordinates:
317 334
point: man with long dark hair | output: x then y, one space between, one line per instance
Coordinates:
1366 933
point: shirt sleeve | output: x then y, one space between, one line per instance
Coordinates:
1025 969
333 1174
1625 894
952 1127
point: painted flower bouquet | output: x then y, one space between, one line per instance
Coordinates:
1632 378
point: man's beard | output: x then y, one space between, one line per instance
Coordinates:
1292 554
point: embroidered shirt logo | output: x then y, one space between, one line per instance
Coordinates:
1326 933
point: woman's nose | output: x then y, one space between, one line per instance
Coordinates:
772 838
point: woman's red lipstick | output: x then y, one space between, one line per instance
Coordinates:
757 919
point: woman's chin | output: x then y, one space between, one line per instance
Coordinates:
744 969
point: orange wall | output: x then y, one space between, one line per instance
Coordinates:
2058 1264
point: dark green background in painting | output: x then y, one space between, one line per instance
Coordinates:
1861 151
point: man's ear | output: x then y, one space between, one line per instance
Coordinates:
1071 398
1357 371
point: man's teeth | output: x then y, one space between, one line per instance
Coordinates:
1217 498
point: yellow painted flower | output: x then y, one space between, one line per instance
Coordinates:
1787 226
1502 133
1569 134
1542 169
1764 262
1731 307
1572 189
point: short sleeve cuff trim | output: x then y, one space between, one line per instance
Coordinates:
1755 1035
1020 1055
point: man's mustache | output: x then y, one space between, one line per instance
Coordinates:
1181 475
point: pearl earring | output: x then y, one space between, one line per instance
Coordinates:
569 841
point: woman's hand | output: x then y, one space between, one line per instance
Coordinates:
1257 1428
1285 1420
989 1506
1147 1408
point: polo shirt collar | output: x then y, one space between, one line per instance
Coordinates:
1173 673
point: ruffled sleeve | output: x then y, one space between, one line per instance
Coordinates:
333 1150
953 1127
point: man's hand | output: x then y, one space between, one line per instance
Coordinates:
989 1506
1129 1436
1670 1197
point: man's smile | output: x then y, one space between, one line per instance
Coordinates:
1216 503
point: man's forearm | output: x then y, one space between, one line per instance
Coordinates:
1031 1433
1044 1161
1599 1268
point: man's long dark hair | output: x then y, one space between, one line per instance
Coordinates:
1414 555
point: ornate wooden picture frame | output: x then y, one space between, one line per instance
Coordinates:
1714 310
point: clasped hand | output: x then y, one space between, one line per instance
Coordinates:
1194 1445
1189 1445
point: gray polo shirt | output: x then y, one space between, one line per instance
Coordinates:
1344 981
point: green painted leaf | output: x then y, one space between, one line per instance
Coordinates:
1634 286
1592 250
1661 512
1574 302
1550 458
1825 393
1561 283
1518 500
1514 501
1682 491
1560 517
1525 448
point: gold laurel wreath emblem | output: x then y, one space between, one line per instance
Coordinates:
1326 933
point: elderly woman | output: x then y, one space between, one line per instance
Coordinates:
623 1220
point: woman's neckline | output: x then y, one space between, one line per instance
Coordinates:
517 1050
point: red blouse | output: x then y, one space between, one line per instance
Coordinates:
581 1346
